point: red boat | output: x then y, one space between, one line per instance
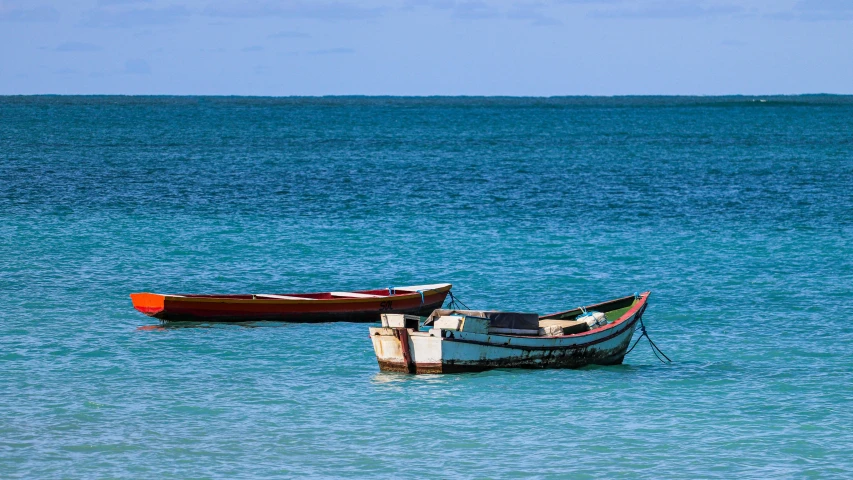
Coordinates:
359 306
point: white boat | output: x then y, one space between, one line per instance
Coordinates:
451 341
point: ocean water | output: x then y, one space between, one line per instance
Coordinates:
737 212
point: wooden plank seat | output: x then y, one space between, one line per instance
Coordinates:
355 295
280 297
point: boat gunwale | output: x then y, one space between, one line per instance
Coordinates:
635 311
312 301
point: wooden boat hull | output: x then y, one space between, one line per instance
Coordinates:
458 351
308 308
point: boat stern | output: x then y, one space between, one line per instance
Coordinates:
388 349
407 350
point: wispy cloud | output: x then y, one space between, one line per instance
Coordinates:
438 4
332 51
135 17
298 9
668 9
824 5
464 9
289 34
121 2
817 11
533 13
475 10
21 12
481 10
252 48
589 2
137 66
77 47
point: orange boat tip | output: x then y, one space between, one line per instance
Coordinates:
148 303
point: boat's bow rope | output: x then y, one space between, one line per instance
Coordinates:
655 349
454 303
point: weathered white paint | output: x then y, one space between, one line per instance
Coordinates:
397 320
513 331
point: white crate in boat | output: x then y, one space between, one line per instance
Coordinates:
550 330
393 320
450 322
462 323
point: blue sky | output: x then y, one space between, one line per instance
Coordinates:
426 47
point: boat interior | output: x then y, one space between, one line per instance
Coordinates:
378 293
612 309
578 320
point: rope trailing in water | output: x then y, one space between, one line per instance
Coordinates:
655 348
455 303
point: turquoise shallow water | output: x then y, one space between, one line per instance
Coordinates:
736 213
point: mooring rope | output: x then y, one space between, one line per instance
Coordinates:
655 348
455 303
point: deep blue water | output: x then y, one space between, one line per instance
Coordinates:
737 213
